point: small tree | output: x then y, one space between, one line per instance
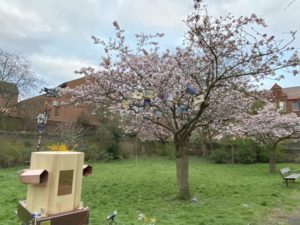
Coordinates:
269 128
69 133
162 94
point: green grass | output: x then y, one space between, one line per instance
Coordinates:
227 194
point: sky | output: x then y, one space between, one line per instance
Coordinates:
55 35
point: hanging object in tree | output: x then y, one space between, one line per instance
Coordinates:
157 114
168 97
176 99
147 102
191 90
149 93
137 95
125 105
148 108
198 100
180 109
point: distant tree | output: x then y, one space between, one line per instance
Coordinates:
16 69
170 94
268 127
70 134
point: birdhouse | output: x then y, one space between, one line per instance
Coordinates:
148 93
191 90
169 97
125 105
137 95
180 109
157 114
54 183
198 99
147 102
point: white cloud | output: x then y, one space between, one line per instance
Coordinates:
56 33
20 23
56 70
164 15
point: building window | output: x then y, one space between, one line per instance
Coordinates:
49 113
56 111
295 106
281 107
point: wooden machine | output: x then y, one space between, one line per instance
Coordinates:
54 189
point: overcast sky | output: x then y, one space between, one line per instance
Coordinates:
55 34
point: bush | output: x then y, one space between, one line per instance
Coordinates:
219 155
165 149
263 153
14 152
113 151
240 150
245 151
94 153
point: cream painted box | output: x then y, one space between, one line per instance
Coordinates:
62 190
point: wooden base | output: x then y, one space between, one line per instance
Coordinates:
75 217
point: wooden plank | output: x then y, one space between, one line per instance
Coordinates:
284 170
75 217
293 176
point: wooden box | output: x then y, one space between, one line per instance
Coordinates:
62 191
76 217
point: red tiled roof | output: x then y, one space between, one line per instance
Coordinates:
292 92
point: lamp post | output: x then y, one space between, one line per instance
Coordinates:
41 122
42 118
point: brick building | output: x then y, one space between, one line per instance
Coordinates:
59 108
287 99
8 96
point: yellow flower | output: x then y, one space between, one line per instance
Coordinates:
59 147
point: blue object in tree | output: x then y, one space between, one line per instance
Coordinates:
157 114
191 90
147 101
181 109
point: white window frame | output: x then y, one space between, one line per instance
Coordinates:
282 106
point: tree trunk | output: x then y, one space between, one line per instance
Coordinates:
182 171
272 160
204 148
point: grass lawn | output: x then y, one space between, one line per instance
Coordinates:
227 194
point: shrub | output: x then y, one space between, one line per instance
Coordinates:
240 150
219 155
164 149
263 153
245 151
13 152
113 151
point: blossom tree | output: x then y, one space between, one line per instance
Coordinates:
163 94
269 128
